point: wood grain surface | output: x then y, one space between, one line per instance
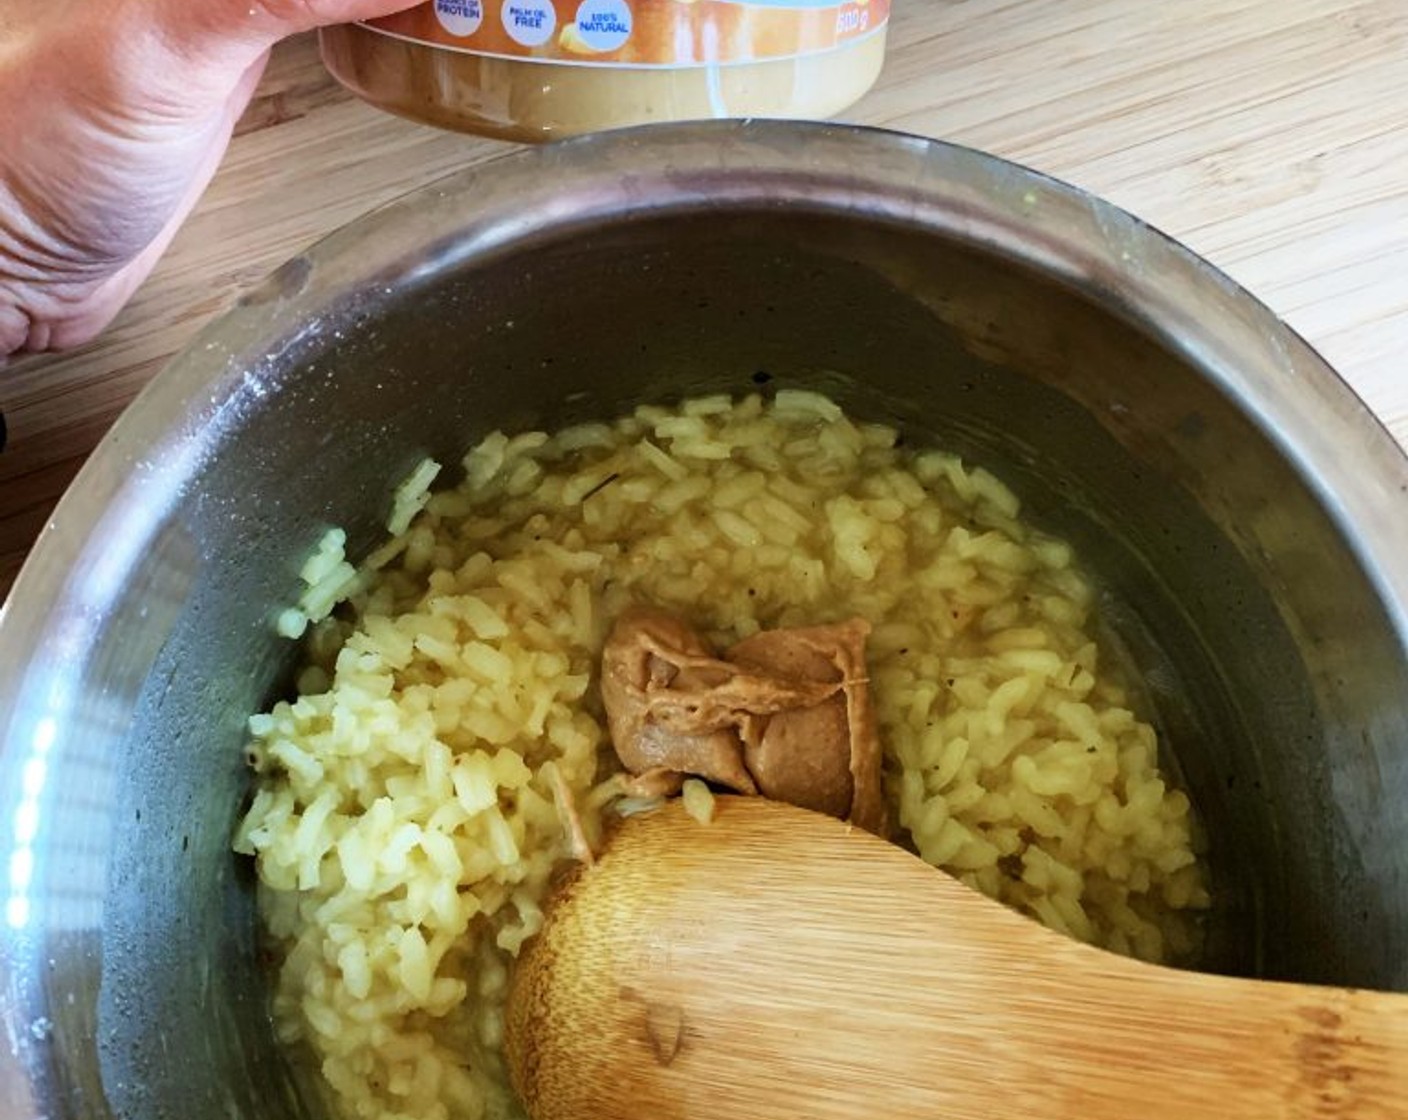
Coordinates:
758 966
1269 135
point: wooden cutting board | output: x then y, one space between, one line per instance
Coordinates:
1272 137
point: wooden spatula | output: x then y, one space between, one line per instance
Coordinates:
778 964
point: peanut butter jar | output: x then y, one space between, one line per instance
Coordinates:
542 69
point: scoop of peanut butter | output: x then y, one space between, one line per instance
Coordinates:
784 713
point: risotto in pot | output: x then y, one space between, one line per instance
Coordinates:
449 745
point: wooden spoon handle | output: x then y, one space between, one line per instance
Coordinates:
781 964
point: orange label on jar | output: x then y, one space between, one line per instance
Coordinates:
645 33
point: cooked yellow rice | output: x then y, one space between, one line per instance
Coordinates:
408 807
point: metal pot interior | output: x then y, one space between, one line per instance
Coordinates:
1146 411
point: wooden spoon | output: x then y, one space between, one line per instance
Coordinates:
778 964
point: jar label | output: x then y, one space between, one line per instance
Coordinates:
651 34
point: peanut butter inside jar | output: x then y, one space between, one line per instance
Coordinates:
542 69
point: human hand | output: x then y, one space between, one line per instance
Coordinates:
117 113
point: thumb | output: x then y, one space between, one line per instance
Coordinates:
205 27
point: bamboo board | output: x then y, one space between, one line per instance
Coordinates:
1270 137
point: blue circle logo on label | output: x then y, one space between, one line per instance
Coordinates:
604 25
530 22
460 17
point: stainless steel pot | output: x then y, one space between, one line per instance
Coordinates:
1242 510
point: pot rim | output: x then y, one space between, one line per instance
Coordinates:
1288 390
